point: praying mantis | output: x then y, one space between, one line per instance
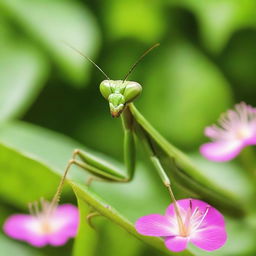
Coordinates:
169 162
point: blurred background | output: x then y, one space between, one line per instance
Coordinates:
205 64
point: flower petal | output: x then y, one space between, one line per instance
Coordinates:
251 140
221 151
58 239
176 243
154 225
209 239
183 206
65 222
22 227
67 218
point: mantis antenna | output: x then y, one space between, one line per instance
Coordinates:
139 59
73 48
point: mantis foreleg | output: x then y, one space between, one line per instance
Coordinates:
100 168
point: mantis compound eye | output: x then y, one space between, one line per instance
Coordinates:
132 91
118 93
106 88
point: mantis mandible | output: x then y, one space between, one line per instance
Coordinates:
168 161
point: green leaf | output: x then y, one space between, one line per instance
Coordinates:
135 19
86 239
53 22
11 247
218 20
23 71
23 179
113 238
238 61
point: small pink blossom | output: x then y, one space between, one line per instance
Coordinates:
236 130
53 225
195 222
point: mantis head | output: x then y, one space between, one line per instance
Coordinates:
118 93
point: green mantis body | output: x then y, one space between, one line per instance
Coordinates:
169 162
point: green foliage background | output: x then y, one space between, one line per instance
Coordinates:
50 103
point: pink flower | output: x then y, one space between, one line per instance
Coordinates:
236 130
194 221
54 225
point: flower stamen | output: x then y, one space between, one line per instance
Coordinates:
203 217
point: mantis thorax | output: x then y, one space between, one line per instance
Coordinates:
118 93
